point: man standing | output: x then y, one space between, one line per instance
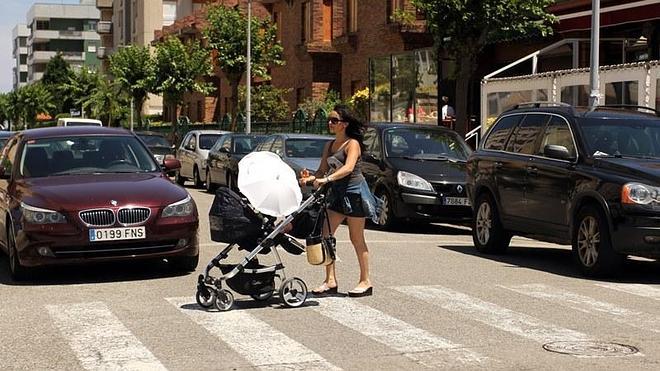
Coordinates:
448 113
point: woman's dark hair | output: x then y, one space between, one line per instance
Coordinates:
355 128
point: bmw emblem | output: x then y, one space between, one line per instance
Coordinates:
113 202
459 188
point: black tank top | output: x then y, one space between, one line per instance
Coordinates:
338 159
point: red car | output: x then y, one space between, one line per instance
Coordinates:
91 194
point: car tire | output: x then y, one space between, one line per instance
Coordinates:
179 179
17 271
210 187
196 180
184 263
386 220
592 246
488 234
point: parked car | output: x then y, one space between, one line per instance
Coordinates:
570 176
222 163
4 136
158 144
418 171
300 151
91 194
77 121
193 152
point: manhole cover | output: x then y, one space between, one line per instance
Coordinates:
590 348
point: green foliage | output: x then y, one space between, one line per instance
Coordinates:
310 106
403 17
58 73
179 68
359 104
107 103
134 70
267 103
80 87
32 100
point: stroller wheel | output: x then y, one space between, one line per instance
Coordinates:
293 292
205 297
224 300
262 296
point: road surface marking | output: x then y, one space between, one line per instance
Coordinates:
492 314
100 340
260 344
638 289
588 305
417 344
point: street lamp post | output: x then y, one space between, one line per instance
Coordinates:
248 95
594 97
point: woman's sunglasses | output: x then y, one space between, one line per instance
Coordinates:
334 120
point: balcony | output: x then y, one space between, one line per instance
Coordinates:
103 4
45 56
46 35
104 27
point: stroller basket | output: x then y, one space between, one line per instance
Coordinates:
231 220
246 283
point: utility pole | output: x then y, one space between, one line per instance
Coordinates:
594 97
132 109
248 95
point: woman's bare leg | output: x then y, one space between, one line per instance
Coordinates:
356 232
335 220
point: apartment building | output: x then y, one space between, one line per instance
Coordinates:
133 22
20 34
62 28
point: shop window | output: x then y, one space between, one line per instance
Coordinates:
379 88
622 92
575 95
404 78
500 101
426 91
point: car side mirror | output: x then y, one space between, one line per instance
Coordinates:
170 164
557 152
368 157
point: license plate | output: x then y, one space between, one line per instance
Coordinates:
117 234
456 201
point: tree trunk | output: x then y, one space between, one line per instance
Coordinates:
234 101
466 66
139 103
217 111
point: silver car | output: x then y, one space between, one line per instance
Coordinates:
193 152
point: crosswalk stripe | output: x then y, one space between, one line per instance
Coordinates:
100 340
415 343
588 305
259 343
637 289
492 314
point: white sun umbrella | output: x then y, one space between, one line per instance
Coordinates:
269 184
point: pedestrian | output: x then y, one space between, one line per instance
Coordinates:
349 196
448 112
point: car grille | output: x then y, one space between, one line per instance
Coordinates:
98 218
135 215
458 190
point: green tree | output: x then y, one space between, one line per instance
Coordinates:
464 27
5 114
58 73
134 69
13 110
179 69
106 102
32 100
80 87
226 33
268 103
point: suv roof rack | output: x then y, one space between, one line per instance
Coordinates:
539 104
627 106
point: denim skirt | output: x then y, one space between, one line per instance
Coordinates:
354 200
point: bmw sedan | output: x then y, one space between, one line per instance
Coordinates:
91 194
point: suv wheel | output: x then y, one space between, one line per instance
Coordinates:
592 246
487 232
198 182
210 187
386 219
179 179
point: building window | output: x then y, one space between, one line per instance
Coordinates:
306 22
327 20
23 59
43 25
169 12
352 15
24 76
22 42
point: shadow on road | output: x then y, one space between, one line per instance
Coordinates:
426 228
92 273
560 262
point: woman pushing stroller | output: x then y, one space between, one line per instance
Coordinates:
349 196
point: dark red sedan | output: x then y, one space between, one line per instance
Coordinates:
83 194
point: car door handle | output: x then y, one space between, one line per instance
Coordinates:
531 170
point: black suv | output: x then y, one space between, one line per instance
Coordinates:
588 178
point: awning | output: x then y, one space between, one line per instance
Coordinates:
634 12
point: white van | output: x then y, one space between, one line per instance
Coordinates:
75 121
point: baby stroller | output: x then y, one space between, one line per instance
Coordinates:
235 222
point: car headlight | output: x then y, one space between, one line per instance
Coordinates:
37 215
639 194
184 207
409 180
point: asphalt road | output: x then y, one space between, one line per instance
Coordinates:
436 304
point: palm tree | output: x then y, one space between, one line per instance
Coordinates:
81 86
106 102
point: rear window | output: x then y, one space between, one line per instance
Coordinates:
206 141
526 134
498 135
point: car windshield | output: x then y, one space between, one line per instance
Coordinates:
305 147
424 144
155 141
206 141
245 144
85 155
630 137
